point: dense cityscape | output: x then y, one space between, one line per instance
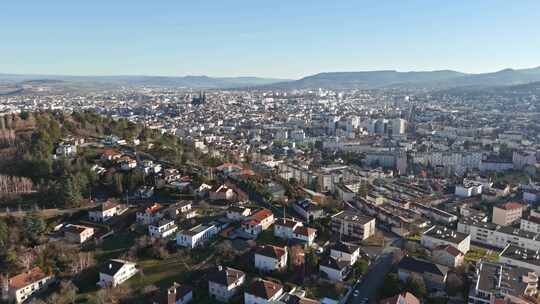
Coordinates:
140 194
270 152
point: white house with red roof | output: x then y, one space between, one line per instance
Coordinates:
262 292
151 214
447 255
270 258
22 286
259 221
291 229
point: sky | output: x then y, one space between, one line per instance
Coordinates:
267 38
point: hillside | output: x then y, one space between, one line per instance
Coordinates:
157 81
430 79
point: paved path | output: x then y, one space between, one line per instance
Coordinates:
373 280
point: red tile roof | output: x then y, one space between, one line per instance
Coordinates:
450 249
262 214
27 278
404 298
511 205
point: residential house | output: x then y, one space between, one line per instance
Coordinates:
225 283
334 269
345 251
270 258
151 214
78 233
291 229
468 189
308 210
127 163
434 275
106 211
164 228
66 149
22 286
178 294
262 292
115 272
196 236
402 298
296 296
110 155
238 213
222 193
181 208
304 234
447 255
259 221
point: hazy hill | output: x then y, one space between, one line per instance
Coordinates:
429 79
158 81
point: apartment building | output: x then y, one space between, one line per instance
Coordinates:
494 281
507 213
441 235
353 225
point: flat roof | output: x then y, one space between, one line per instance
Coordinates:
521 254
446 234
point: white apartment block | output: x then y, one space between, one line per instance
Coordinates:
441 235
496 236
162 229
196 236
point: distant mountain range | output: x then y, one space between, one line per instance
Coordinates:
158 81
438 80
431 79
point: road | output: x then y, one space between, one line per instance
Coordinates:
373 280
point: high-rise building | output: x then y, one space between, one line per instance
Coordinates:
399 126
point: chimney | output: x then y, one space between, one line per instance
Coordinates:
4 279
171 294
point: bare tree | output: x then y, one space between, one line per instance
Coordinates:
68 291
26 259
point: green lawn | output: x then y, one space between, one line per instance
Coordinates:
115 245
161 273
476 253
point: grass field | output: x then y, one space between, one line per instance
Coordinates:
476 253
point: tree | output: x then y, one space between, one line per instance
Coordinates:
119 183
4 233
71 194
34 226
361 266
391 285
68 290
415 284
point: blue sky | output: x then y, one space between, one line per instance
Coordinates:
274 38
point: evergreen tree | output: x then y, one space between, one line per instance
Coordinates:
71 194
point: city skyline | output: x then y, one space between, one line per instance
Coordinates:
279 40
